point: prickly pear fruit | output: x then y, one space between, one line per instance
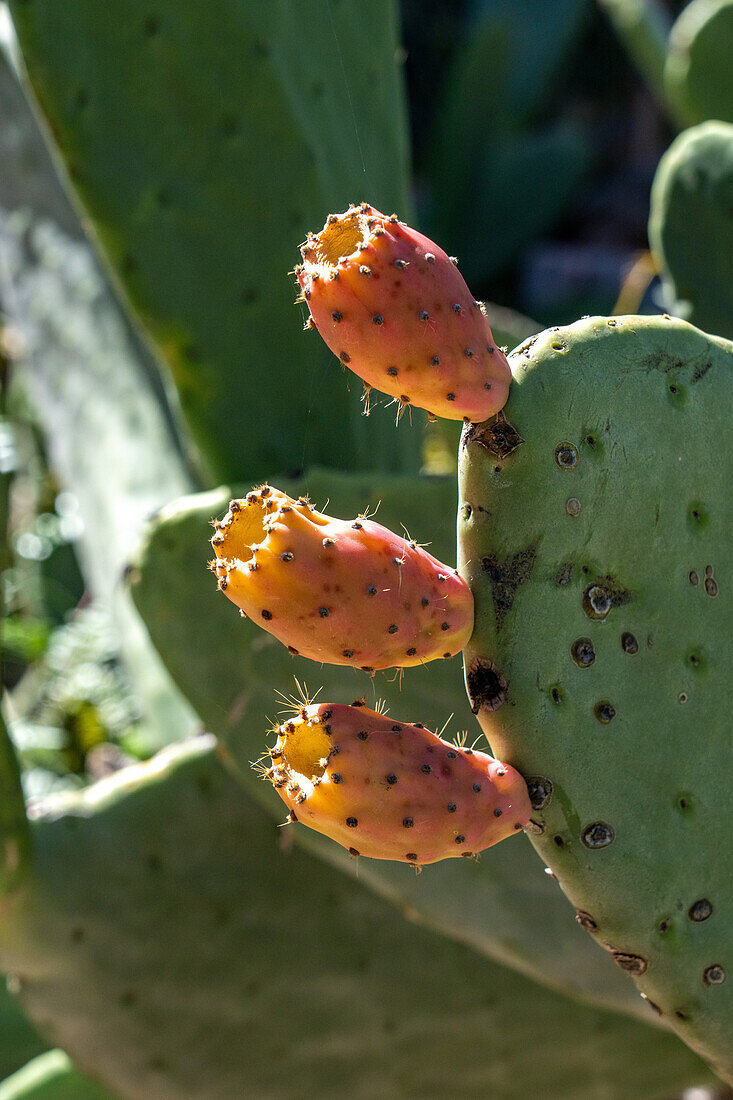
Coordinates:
395 309
392 790
340 591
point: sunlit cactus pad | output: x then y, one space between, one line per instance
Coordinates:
595 523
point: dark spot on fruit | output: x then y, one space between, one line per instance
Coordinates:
573 506
564 574
426 769
506 577
293 650
407 822
393 628
498 812
539 790
266 614
323 612
583 653
632 964
353 852
412 856
337 316
435 361
337 778
372 590
559 841
452 807
392 371
345 357
456 307
450 396
424 315
487 687
700 910
411 652
477 787
713 975
377 319
391 778
286 556
348 653
597 835
362 735
556 696
460 839
352 822
496 436
629 643
451 755
711 586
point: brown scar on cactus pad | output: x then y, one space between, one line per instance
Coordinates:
392 790
347 592
392 305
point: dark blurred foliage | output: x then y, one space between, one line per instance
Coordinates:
578 262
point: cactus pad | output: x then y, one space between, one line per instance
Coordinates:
202 959
698 73
595 520
202 141
691 226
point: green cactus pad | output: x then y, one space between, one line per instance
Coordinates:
203 142
595 521
698 72
19 1040
51 1076
14 834
691 226
230 671
194 955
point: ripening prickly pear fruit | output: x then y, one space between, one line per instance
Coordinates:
348 592
392 790
395 309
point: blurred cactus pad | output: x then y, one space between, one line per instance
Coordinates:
691 225
203 148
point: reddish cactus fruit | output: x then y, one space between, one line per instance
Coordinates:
391 790
348 592
395 309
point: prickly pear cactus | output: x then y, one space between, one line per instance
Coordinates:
698 74
503 906
595 520
204 958
691 226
